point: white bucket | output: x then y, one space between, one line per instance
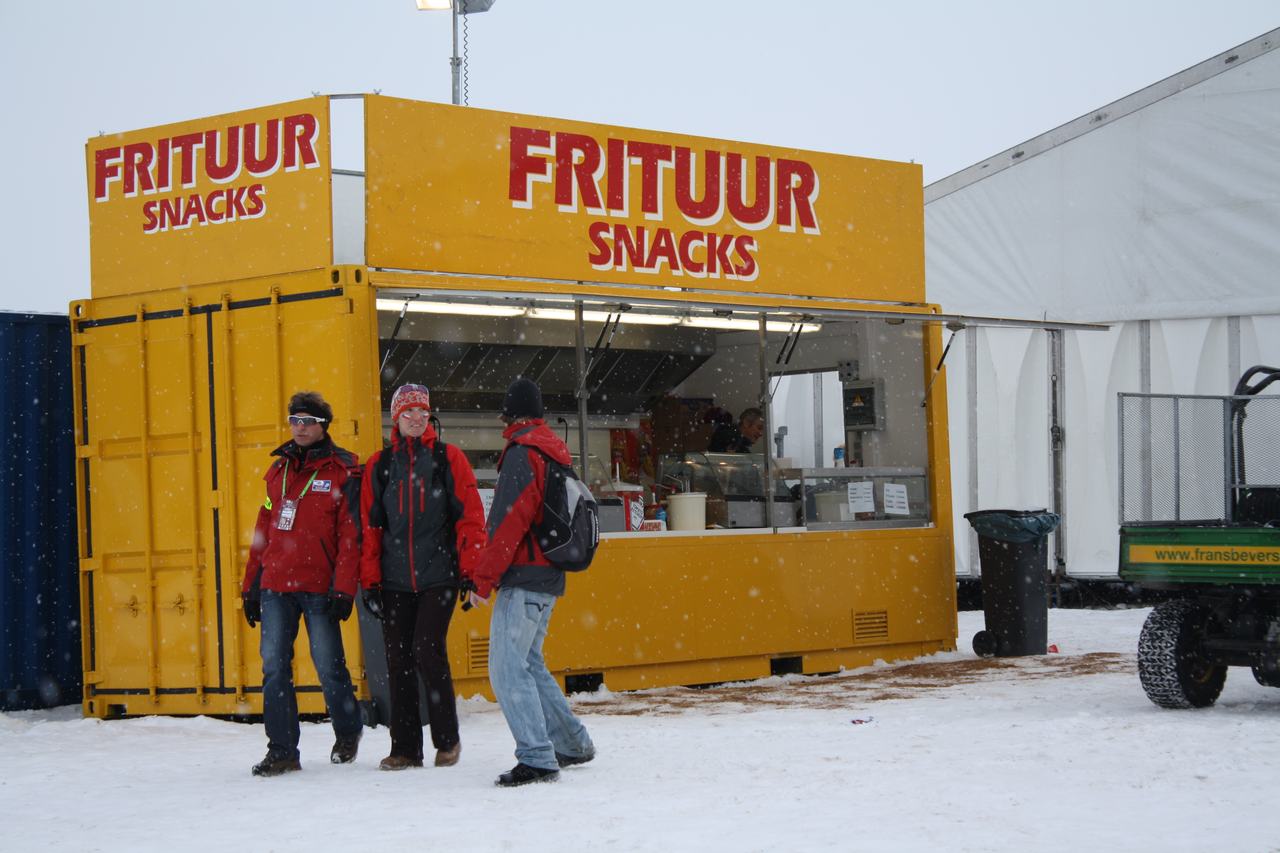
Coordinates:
832 506
687 511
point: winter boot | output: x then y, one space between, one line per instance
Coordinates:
276 764
570 760
399 762
523 774
448 757
345 748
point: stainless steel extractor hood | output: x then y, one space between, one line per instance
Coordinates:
473 376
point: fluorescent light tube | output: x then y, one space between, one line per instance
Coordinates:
468 309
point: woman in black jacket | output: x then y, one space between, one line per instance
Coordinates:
422 522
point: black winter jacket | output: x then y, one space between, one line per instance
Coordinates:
419 520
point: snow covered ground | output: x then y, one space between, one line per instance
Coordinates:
1061 752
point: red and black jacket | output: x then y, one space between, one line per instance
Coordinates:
512 557
420 514
321 552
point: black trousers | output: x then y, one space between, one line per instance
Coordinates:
415 629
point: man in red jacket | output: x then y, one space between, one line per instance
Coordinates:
548 736
303 564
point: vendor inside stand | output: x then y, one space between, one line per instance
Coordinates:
738 439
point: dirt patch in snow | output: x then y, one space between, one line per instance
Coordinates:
842 689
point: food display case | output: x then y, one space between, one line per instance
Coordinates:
613 508
595 475
860 498
734 484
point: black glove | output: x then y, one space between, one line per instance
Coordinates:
373 602
252 609
340 605
467 585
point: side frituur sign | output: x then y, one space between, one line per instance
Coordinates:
216 199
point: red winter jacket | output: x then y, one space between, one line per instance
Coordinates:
512 557
405 507
322 550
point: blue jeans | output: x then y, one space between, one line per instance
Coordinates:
281 612
530 698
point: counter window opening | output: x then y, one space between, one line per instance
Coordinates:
653 396
847 427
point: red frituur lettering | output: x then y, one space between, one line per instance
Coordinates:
214 208
700 254
754 192
607 178
220 154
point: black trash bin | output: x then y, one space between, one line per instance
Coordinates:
1011 549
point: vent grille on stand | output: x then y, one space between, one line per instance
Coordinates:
478 655
870 626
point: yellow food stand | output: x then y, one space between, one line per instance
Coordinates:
654 284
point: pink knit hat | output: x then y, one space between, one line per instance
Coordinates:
409 397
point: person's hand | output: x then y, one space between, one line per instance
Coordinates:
470 597
469 555
252 609
373 602
339 605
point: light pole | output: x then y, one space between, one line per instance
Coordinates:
457 7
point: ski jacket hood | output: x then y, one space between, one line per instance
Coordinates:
535 433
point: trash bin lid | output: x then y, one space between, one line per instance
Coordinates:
1013 525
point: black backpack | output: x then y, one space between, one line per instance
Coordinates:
569 532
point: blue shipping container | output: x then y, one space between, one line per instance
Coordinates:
39 584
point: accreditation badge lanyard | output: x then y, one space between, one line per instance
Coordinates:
288 508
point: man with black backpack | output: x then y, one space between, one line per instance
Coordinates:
548 736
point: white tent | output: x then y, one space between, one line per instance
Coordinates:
1158 214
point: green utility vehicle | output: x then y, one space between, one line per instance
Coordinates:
1199 525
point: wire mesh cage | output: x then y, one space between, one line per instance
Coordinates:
1202 459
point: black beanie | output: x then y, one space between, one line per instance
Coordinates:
523 400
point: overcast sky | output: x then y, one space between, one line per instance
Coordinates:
940 82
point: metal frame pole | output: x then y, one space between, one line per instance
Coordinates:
1120 456
1228 465
819 411
1144 414
766 407
455 63
580 347
1177 459
1057 447
971 392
